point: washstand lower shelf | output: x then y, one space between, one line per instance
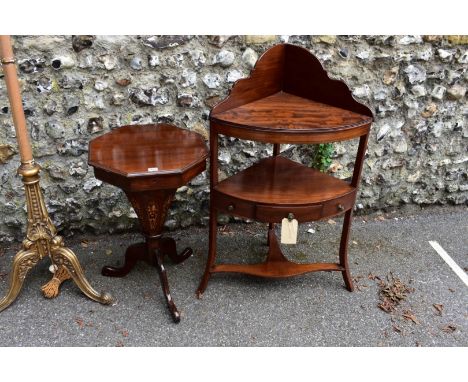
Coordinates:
276 265
272 190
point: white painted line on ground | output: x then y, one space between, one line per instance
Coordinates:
452 264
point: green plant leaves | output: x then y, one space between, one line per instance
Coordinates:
322 156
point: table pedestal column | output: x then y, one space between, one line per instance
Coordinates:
151 208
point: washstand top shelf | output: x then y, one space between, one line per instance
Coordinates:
289 98
283 112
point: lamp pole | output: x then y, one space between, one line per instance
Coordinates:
41 235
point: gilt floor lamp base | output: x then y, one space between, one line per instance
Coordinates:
41 235
42 241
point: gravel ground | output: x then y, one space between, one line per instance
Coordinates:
236 310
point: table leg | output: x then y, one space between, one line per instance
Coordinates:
211 251
158 257
133 254
344 250
167 247
23 262
151 208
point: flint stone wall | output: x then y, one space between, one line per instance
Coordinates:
78 87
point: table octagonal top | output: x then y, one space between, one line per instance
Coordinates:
147 150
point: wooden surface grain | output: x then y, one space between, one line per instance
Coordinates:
288 98
285 111
139 150
281 181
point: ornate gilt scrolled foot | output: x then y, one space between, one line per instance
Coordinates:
22 263
52 288
65 257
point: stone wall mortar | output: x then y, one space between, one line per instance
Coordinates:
78 87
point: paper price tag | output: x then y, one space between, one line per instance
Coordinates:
153 169
288 231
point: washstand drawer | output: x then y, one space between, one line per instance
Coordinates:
274 214
339 205
233 206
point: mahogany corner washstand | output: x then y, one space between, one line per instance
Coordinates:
149 163
288 98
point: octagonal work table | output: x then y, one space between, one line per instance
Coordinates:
149 163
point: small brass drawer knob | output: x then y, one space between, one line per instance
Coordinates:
340 207
230 207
